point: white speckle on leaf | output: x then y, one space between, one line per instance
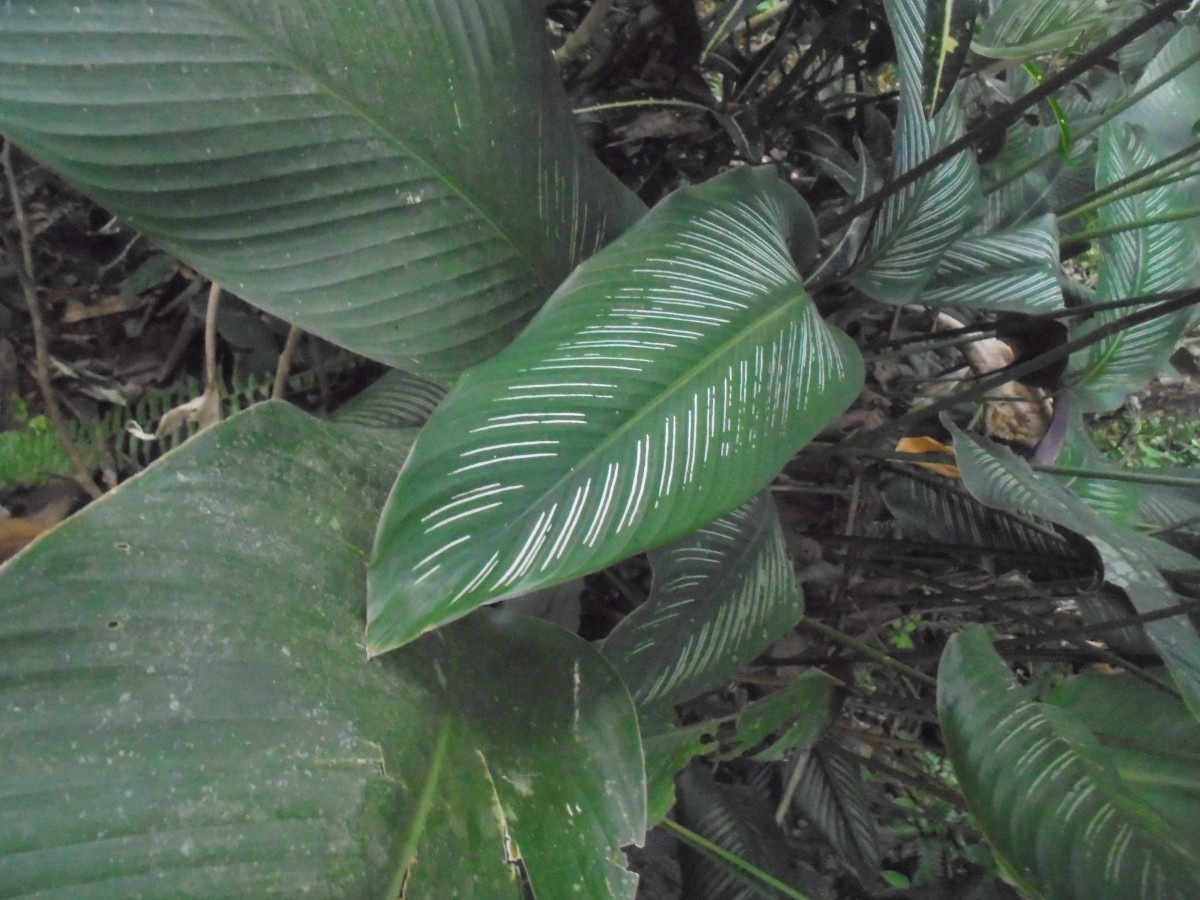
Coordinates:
522 784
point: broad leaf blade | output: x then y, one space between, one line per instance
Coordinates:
998 477
915 225
189 713
1044 793
720 596
790 719
665 383
829 794
1014 270
740 823
323 160
1114 499
1144 260
1168 113
1146 734
397 399
1021 28
943 510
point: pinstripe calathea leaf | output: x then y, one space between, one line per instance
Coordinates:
916 225
1133 561
665 383
1046 793
720 596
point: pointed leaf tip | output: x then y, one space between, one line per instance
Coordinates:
666 382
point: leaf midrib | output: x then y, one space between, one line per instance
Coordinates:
670 390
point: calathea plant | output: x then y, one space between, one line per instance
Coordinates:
270 663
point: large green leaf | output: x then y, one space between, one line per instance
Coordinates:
939 508
1021 28
665 383
720 596
1144 260
404 179
1045 794
786 721
1015 269
188 711
916 225
1148 736
396 400
1169 113
1132 561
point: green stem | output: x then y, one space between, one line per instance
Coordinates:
1091 234
424 806
706 846
1139 476
1098 122
1011 114
866 650
1056 110
648 103
1133 184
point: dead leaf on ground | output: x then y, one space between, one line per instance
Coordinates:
114 304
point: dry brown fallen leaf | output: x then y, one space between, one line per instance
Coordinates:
17 531
1013 412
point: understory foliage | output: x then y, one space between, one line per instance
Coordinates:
729 491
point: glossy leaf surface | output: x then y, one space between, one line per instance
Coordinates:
189 711
720 596
1045 794
1147 735
1014 270
323 160
665 383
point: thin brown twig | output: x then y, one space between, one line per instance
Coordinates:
22 261
210 337
318 362
285 362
